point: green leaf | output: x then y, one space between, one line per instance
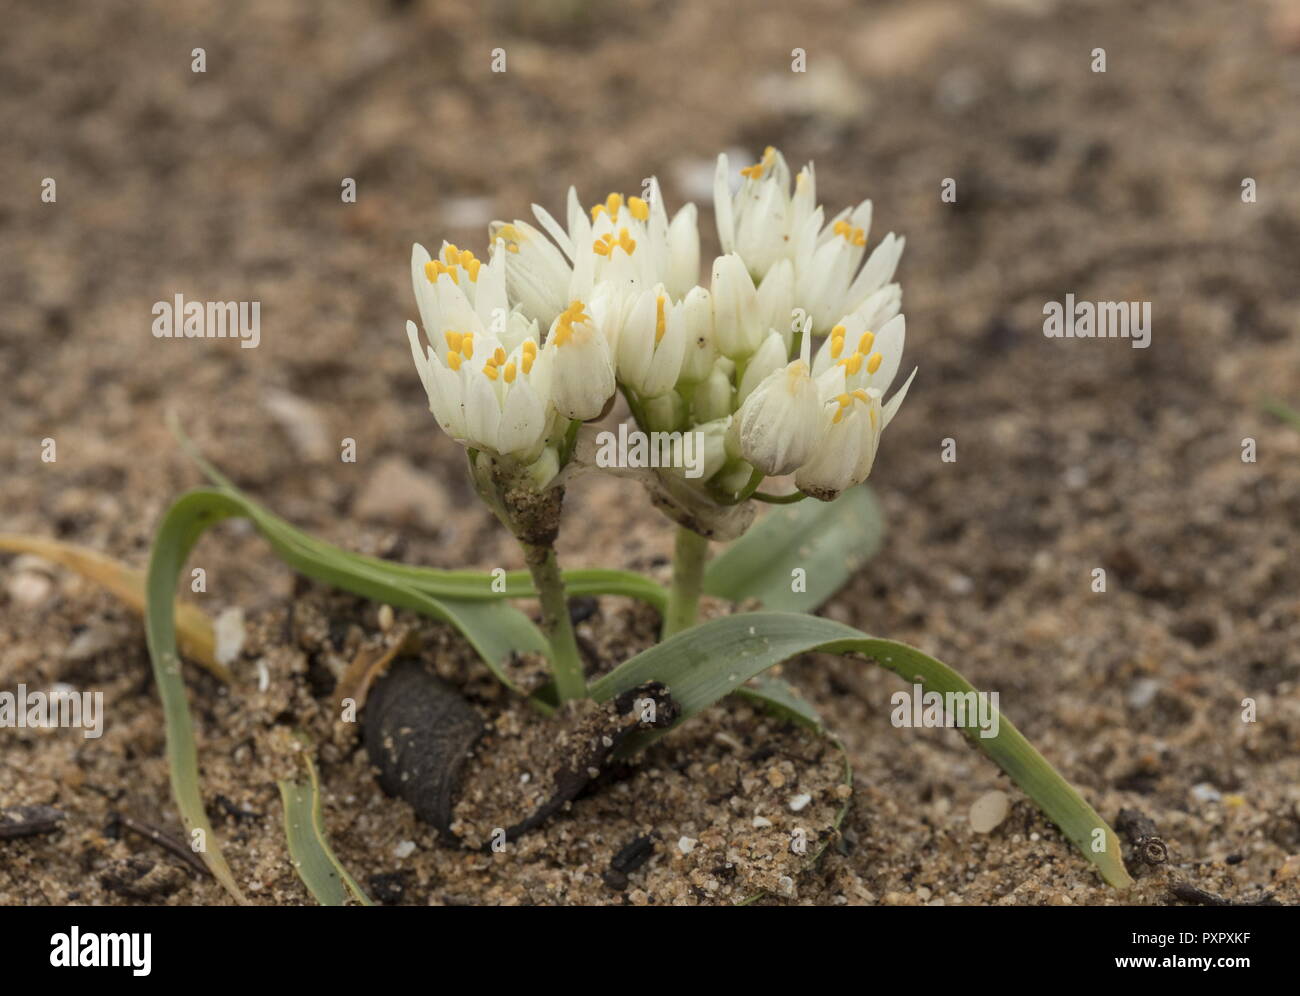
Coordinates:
829 541
494 630
779 697
701 665
440 583
313 860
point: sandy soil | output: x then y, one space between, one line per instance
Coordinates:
1071 455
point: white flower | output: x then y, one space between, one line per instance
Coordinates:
700 350
852 423
762 221
629 241
651 344
582 368
867 360
780 421
736 327
483 396
765 224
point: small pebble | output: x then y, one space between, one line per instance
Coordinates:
800 801
405 849
1205 792
1143 692
686 844
29 589
988 811
760 822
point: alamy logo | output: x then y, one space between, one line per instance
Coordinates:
638 449
1103 320
59 707
77 950
181 319
959 710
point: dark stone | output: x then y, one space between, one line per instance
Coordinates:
419 732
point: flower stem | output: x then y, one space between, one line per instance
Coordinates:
556 624
689 557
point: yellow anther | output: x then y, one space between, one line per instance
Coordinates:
530 347
839 414
453 340
473 268
859 237
873 364
528 361
511 247
449 253
838 332
612 203
490 371
453 360
431 271
509 373
509 233
499 356
563 333
660 322
467 346
844 400
840 227
864 344
862 396
852 364
596 211
837 346
626 242
603 246
639 208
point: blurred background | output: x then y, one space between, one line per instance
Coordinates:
1071 455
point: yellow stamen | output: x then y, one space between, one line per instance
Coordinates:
453 360
639 208
509 373
864 344
862 396
509 233
473 268
626 242
596 211
499 356
612 203
528 362
852 364
603 246
873 364
660 323
490 371
453 340
530 347
467 346
511 247
449 253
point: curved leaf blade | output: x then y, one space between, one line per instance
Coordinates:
705 663
313 858
829 541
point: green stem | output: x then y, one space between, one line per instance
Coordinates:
689 556
556 624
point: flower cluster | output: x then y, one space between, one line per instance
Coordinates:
563 316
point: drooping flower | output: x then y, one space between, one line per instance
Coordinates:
851 426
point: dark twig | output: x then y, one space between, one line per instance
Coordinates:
164 840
